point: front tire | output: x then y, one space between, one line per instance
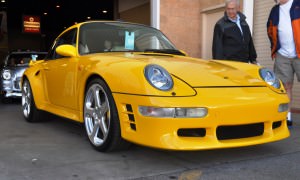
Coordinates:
101 119
30 112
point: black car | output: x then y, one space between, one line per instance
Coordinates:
12 70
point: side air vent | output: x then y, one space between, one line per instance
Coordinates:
133 127
129 108
131 117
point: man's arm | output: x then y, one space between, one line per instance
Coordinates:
252 52
217 47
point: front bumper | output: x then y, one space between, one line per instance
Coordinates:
11 88
236 117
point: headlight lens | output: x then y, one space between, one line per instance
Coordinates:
6 74
186 112
270 77
158 77
283 107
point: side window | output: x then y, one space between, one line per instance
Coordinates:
68 37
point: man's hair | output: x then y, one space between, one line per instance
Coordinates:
229 1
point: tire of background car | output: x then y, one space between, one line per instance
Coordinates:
101 118
30 112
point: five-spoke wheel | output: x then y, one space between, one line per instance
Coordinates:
101 118
30 112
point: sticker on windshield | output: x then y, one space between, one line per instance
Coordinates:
129 40
34 57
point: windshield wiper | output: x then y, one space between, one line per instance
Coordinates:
165 51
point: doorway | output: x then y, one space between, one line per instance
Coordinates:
210 17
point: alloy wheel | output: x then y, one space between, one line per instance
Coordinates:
97 114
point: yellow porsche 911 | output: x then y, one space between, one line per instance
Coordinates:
127 83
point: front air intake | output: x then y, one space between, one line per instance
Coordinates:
192 132
240 131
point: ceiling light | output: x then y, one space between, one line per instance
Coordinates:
104 11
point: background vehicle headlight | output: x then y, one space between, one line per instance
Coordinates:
158 77
6 74
270 77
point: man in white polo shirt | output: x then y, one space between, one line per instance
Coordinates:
284 34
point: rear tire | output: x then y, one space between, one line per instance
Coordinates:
30 112
101 118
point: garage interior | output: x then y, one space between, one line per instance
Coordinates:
55 16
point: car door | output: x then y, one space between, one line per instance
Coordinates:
61 74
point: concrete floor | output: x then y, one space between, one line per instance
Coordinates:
58 150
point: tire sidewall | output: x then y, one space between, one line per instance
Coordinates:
33 115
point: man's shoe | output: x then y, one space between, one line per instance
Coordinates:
289 122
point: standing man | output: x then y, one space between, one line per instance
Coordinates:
232 37
284 33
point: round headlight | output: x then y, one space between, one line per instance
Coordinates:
158 77
270 77
6 74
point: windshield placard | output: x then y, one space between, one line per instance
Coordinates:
129 40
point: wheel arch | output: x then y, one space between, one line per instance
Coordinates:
37 88
90 78
84 89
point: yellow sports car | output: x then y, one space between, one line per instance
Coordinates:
127 83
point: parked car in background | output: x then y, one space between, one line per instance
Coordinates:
128 83
12 70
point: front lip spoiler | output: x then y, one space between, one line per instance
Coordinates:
12 94
229 86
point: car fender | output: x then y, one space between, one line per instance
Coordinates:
35 79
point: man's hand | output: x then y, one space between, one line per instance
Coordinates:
255 62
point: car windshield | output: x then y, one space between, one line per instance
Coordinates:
22 59
99 37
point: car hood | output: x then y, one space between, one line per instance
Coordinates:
198 73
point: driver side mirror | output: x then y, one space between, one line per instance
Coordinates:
66 50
